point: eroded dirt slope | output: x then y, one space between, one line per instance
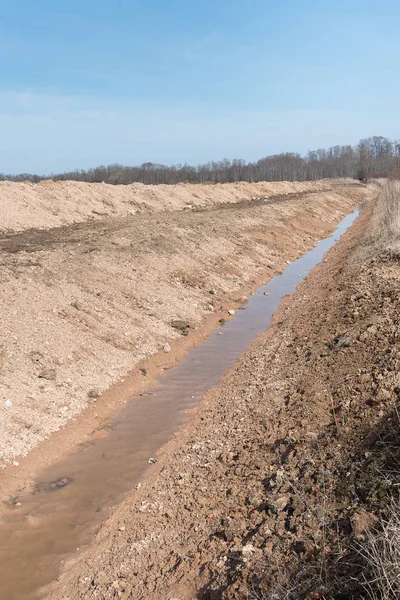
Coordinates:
82 305
280 470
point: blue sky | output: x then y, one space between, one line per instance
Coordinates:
88 82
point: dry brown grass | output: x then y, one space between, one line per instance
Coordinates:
384 232
382 555
388 223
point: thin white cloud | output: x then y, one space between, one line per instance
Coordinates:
52 105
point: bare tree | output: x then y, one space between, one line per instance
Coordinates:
372 157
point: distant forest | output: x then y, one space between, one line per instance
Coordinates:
371 157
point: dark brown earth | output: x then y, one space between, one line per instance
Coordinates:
283 469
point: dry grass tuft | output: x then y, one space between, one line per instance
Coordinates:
382 555
384 233
388 231
296 590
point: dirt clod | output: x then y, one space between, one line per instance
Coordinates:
49 374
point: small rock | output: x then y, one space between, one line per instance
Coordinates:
76 304
32 521
36 356
49 374
94 393
212 292
167 348
50 486
139 485
143 371
15 463
362 522
231 312
210 308
266 293
8 403
248 549
365 378
383 395
152 461
122 528
180 325
101 579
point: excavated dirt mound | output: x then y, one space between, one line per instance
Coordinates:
56 203
282 469
81 305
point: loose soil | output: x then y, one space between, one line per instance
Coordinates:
51 204
84 304
281 469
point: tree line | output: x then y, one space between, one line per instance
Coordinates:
372 157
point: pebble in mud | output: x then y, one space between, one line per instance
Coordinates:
231 312
53 485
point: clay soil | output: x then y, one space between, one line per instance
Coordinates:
283 468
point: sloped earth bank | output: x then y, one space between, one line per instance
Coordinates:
82 305
57 203
282 468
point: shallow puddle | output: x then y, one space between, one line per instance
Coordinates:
72 497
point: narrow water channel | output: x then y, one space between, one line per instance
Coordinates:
56 520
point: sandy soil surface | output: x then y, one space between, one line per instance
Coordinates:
53 204
81 305
275 477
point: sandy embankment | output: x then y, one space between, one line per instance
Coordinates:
283 468
54 204
81 305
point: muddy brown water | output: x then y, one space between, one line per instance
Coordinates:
72 497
